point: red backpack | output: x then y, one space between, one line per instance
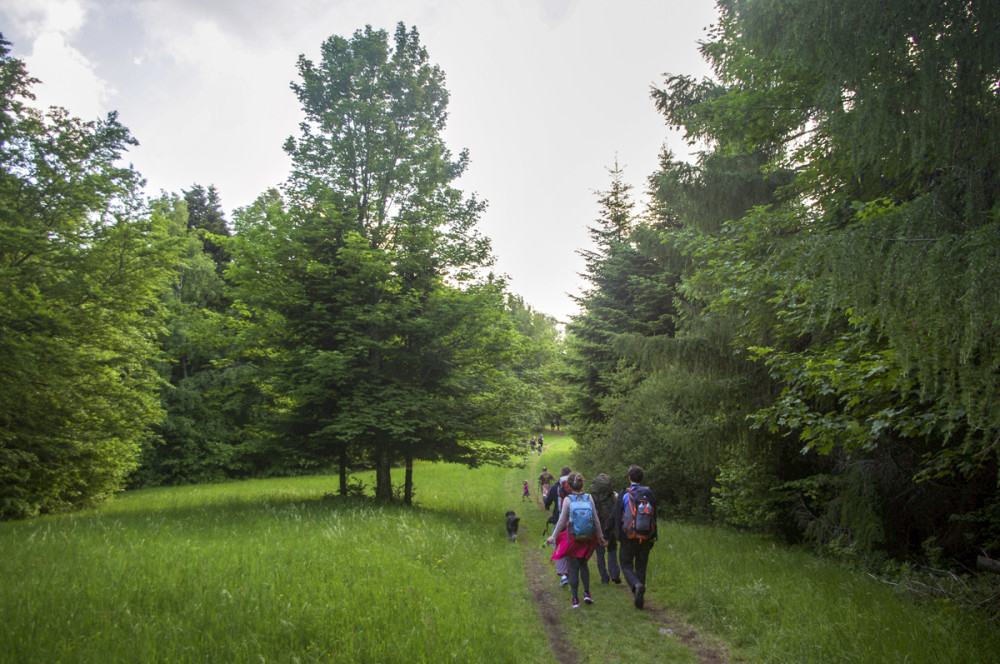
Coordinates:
637 521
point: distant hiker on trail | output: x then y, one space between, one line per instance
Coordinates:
577 533
527 494
555 496
533 439
635 520
544 482
605 499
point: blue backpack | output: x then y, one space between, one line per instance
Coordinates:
581 518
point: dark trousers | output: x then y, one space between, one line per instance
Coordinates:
609 571
634 557
578 571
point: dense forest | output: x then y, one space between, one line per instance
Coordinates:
799 334
795 332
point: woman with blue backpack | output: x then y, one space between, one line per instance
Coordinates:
576 535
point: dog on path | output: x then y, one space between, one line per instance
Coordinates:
512 521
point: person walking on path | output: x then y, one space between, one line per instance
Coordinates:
562 493
605 499
526 495
577 533
556 495
544 482
635 523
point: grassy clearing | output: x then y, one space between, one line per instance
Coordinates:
274 571
271 571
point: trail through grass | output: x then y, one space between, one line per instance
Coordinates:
611 631
770 603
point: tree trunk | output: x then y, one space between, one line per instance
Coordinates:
383 476
343 470
408 486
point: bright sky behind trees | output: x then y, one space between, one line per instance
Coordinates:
544 94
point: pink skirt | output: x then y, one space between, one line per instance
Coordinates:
567 547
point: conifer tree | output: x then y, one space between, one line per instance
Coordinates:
386 344
204 209
866 289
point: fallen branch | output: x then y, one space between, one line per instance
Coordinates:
988 564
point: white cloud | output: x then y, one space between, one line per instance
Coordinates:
68 78
41 16
221 109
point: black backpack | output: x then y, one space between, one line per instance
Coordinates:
604 499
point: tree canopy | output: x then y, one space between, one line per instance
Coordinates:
82 264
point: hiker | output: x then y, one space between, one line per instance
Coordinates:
635 523
577 533
555 497
526 495
605 498
544 482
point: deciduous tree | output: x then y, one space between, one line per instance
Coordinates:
82 264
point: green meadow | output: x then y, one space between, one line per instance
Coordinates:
281 571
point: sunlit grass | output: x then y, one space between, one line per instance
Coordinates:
270 571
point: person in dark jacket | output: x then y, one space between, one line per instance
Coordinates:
605 499
633 548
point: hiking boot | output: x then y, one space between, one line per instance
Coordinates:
617 579
587 598
563 580
640 591
576 603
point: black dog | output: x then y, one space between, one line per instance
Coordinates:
552 520
512 521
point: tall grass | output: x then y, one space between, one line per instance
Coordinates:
271 571
777 604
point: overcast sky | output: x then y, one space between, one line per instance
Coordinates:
544 95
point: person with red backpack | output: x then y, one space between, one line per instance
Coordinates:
635 525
